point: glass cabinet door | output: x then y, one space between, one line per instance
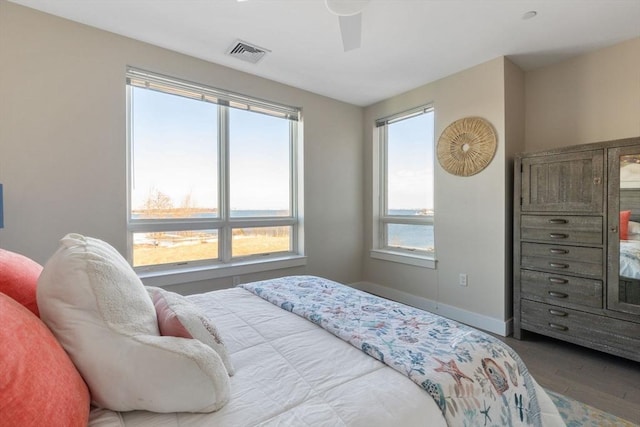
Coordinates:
623 278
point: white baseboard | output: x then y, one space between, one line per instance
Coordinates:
470 318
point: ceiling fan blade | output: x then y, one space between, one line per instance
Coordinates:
351 30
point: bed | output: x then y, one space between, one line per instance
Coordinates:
630 259
629 278
292 351
290 370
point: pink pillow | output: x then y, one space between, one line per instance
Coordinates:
168 321
624 224
39 384
19 278
179 317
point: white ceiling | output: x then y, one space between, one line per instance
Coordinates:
405 43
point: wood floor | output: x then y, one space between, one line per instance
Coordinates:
603 381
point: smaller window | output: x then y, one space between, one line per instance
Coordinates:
405 185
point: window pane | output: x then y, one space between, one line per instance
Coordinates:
174 246
174 156
409 236
260 240
410 166
195 163
259 164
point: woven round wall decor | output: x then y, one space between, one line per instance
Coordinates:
467 146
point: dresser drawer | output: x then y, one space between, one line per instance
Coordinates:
595 331
562 229
563 259
566 291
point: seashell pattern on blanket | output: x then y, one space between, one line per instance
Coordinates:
463 370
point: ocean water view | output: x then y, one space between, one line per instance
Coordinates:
404 235
408 235
171 246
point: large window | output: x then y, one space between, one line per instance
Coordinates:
212 176
405 182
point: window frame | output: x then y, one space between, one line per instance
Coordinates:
225 265
381 248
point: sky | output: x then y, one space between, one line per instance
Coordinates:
410 163
174 152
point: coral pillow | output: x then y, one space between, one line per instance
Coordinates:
38 383
99 310
179 317
624 224
19 277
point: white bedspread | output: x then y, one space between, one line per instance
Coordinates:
630 258
290 372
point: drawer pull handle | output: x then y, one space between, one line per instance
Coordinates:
558 327
558 265
556 251
558 221
557 313
558 235
557 280
557 294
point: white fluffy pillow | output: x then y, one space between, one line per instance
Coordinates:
99 310
179 317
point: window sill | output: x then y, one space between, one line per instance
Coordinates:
177 276
404 258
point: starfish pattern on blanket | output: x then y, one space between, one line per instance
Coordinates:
451 368
463 369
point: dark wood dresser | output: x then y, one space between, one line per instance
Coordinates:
567 241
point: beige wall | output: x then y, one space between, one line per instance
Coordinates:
62 153
590 98
593 97
470 211
62 141
514 130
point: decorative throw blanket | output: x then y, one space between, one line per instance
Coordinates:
475 379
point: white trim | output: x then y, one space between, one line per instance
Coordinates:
167 84
490 324
404 258
412 112
195 274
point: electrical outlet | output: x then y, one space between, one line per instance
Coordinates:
462 279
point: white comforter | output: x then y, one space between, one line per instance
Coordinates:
630 258
291 372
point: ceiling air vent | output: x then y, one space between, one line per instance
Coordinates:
247 52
